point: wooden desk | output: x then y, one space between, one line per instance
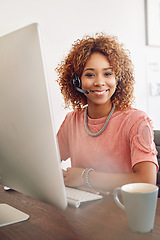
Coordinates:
98 220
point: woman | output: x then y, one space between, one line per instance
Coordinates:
110 143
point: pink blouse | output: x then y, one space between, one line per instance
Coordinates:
126 141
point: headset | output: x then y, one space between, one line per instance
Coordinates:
78 85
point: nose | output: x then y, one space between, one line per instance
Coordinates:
99 82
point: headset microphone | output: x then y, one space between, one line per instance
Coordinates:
82 91
77 84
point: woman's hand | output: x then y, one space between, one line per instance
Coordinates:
72 177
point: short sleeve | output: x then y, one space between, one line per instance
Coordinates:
142 142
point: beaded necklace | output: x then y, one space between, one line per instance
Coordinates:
103 128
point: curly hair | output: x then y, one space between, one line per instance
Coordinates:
74 62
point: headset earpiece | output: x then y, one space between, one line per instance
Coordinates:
76 81
77 84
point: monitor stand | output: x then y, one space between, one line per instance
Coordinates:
10 215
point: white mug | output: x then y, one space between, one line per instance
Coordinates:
140 201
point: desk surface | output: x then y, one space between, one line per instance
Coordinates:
97 220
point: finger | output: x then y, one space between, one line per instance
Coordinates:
64 173
67 169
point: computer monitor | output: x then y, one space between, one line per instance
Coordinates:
29 154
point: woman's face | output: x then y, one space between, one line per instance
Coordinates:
99 79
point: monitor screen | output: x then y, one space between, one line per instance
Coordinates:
29 154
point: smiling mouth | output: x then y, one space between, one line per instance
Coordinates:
99 92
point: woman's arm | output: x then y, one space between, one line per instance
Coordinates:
145 172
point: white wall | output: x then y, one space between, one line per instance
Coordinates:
63 21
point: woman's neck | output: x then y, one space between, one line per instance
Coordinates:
99 111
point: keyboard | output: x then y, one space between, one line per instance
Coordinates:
76 196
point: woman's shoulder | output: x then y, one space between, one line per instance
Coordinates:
132 116
74 115
136 119
136 112
132 112
70 119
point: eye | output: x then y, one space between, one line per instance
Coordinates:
108 74
89 74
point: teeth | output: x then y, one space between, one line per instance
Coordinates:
100 93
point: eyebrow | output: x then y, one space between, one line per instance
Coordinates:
92 69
